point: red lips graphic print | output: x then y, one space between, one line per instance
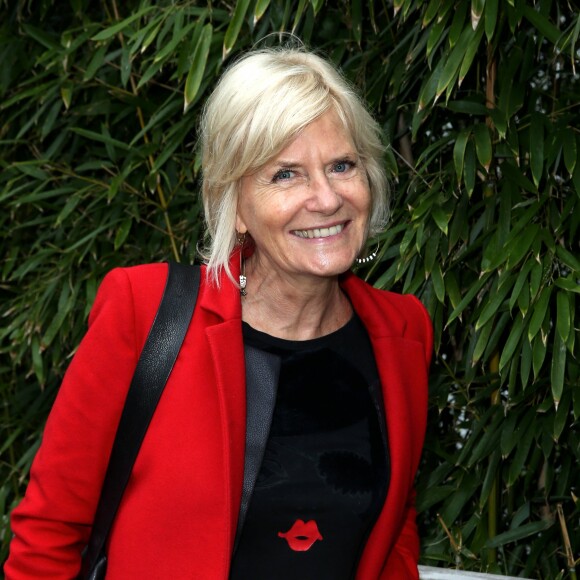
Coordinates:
302 535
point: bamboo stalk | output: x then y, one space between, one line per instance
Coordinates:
493 501
456 548
158 186
567 544
489 191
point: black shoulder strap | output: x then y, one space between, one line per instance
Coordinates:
153 369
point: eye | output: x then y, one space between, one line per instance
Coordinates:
283 175
342 166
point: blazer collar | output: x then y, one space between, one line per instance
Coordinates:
380 317
222 301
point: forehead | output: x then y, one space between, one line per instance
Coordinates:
325 136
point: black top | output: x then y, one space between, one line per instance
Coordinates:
324 475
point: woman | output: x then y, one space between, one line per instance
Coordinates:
293 185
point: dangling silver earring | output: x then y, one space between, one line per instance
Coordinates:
241 239
370 257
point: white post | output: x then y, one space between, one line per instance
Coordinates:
428 573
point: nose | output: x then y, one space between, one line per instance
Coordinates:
324 198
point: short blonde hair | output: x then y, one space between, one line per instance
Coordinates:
259 106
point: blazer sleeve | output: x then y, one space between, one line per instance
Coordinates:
404 557
52 523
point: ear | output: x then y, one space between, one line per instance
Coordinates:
241 227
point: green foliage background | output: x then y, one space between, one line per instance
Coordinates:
480 103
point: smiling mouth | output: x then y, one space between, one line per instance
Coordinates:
316 233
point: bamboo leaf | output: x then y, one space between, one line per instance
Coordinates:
441 218
453 62
519 533
567 284
563 321
526 363
106 139
198 64
536 277
317 5
522 245
483 144
489 479
438 283
470 168
430 87
458 23
68 208
468 297
491 9
96 63
558 368
431 11
487 443
539 312
576 404
235 26
537 147
493 306
512 342
452 288
66 303
37 363
125 66
569 147
260 9
477 7
520 281
482 342
568 258
119 26
356 19
524 443
176 39
539 349
470 53
459 152
513 173
510 435
457 501
151 32
543 25
66 95
122 233
431 251
562 415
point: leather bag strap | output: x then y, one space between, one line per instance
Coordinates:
151 373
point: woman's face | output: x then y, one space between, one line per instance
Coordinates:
307 210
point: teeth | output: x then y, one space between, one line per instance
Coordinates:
319 232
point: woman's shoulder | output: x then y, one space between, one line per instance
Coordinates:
405 304
389 313
130 291
140 273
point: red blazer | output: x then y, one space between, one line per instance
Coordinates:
178 516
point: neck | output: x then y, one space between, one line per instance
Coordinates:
293 307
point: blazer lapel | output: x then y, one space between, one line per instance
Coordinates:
262 372
226 346
402 411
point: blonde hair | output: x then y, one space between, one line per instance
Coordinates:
259 105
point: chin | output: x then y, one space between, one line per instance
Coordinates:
331 268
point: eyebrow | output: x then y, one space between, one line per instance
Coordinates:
288 164
351 155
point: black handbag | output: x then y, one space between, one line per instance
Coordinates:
151 373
